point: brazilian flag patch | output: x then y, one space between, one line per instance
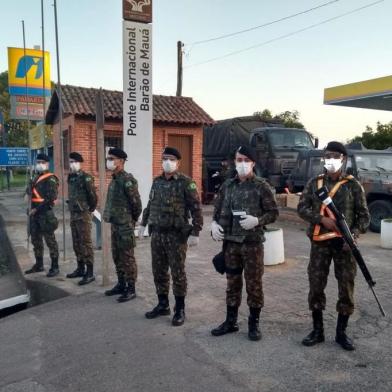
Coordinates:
129 184
192 186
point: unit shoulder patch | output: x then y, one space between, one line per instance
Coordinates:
192 186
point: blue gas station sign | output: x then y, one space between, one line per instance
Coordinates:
14 156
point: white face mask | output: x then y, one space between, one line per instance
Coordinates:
110 165
169 166
41 167
74 166
333 165
243 168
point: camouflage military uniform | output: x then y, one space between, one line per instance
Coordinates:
122 210
171 202
43 223
243 249
82 202
350 200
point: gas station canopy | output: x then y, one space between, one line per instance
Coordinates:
369 94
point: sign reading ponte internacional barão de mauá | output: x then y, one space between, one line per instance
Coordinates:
137 98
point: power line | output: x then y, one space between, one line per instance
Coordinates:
262 25
285 35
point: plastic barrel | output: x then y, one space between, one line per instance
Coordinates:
273 246
386 233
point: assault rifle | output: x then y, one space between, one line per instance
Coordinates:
323 195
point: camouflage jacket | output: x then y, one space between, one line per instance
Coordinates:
172 202
349 199
123 204
254 197
47 189
81 192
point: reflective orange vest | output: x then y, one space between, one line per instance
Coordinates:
325 211
36 197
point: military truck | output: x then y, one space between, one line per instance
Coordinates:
373 169
276 148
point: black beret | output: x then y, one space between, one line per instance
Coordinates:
336 147
171 151
247 152
117 152
76 157
42 157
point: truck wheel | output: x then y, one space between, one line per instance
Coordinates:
379 210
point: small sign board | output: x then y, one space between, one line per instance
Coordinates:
14 156
137 10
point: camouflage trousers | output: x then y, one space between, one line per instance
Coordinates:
43 226
250 258
168 249
321 256
123 244
81 238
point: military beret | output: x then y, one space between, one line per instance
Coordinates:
171 151
76 157
336 147
118 153
42 157
247 152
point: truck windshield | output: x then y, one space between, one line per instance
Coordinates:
289 138
376 162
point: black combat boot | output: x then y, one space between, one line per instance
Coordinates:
88 277
179 312
54 268
230 324
37 267
128 292
162 309
341 337
78 273
253 324
317 335
118 288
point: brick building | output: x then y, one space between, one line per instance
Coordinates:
177 121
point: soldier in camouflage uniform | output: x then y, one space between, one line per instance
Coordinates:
123 208
173 198
327 243
42 191
82 202
245 204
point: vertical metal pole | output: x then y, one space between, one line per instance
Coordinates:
60 123
29 173
43 70
100 121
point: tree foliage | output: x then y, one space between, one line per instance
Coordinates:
377 139
290 119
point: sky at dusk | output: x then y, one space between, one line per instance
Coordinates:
285 74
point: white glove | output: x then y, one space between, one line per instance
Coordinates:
216 174
193 240
217 231
141 231
248 222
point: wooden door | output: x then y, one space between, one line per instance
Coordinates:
183 143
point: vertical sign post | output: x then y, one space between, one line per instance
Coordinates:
137 99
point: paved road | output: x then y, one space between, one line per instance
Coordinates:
88 342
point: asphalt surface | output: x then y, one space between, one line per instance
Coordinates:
87 341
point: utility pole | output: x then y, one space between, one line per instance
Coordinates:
179 68
100 121
60 123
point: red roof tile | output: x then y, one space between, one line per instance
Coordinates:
80 101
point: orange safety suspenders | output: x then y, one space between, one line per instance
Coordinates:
325 211
36 197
